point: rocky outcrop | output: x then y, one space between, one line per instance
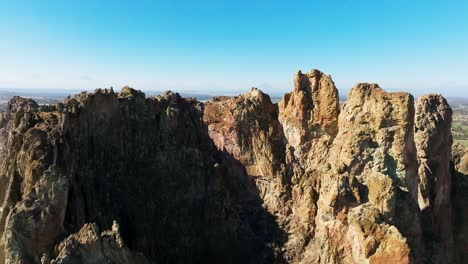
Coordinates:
90 246
433 139
147 163
459 170
353 178
16 104
247 128
309 117
234 180
369 173
310 111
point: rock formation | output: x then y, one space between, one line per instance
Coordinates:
234 180
459 170
368 176
433 139
90 246
146 163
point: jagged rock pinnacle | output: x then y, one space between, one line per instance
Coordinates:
129 179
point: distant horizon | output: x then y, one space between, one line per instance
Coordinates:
279 93
446 91
216 45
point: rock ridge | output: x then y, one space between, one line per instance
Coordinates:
234 180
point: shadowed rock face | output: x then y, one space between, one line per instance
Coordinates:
123 178
459 170
146 163
433 139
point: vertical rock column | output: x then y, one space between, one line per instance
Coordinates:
367 212
460 201
309 119
311 110
246 127
433 140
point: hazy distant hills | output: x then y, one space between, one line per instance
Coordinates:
44 96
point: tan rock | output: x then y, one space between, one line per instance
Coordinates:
90 246
372 159
247 128
433 139
311 110
373 241
234 180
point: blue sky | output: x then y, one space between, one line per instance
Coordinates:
417 46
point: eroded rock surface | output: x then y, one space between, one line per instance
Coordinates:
354 178
91 246
433 139
235 180
367 176
460 201
147 163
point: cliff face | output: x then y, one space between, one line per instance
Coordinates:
459 169
367 177
128 179
433 139
368 185
146 163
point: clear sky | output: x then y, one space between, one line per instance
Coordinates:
233 45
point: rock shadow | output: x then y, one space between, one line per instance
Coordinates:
149 164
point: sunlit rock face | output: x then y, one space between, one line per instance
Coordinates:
122 178
433 139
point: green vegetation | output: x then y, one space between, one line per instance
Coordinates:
460 124
459 131
463 142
